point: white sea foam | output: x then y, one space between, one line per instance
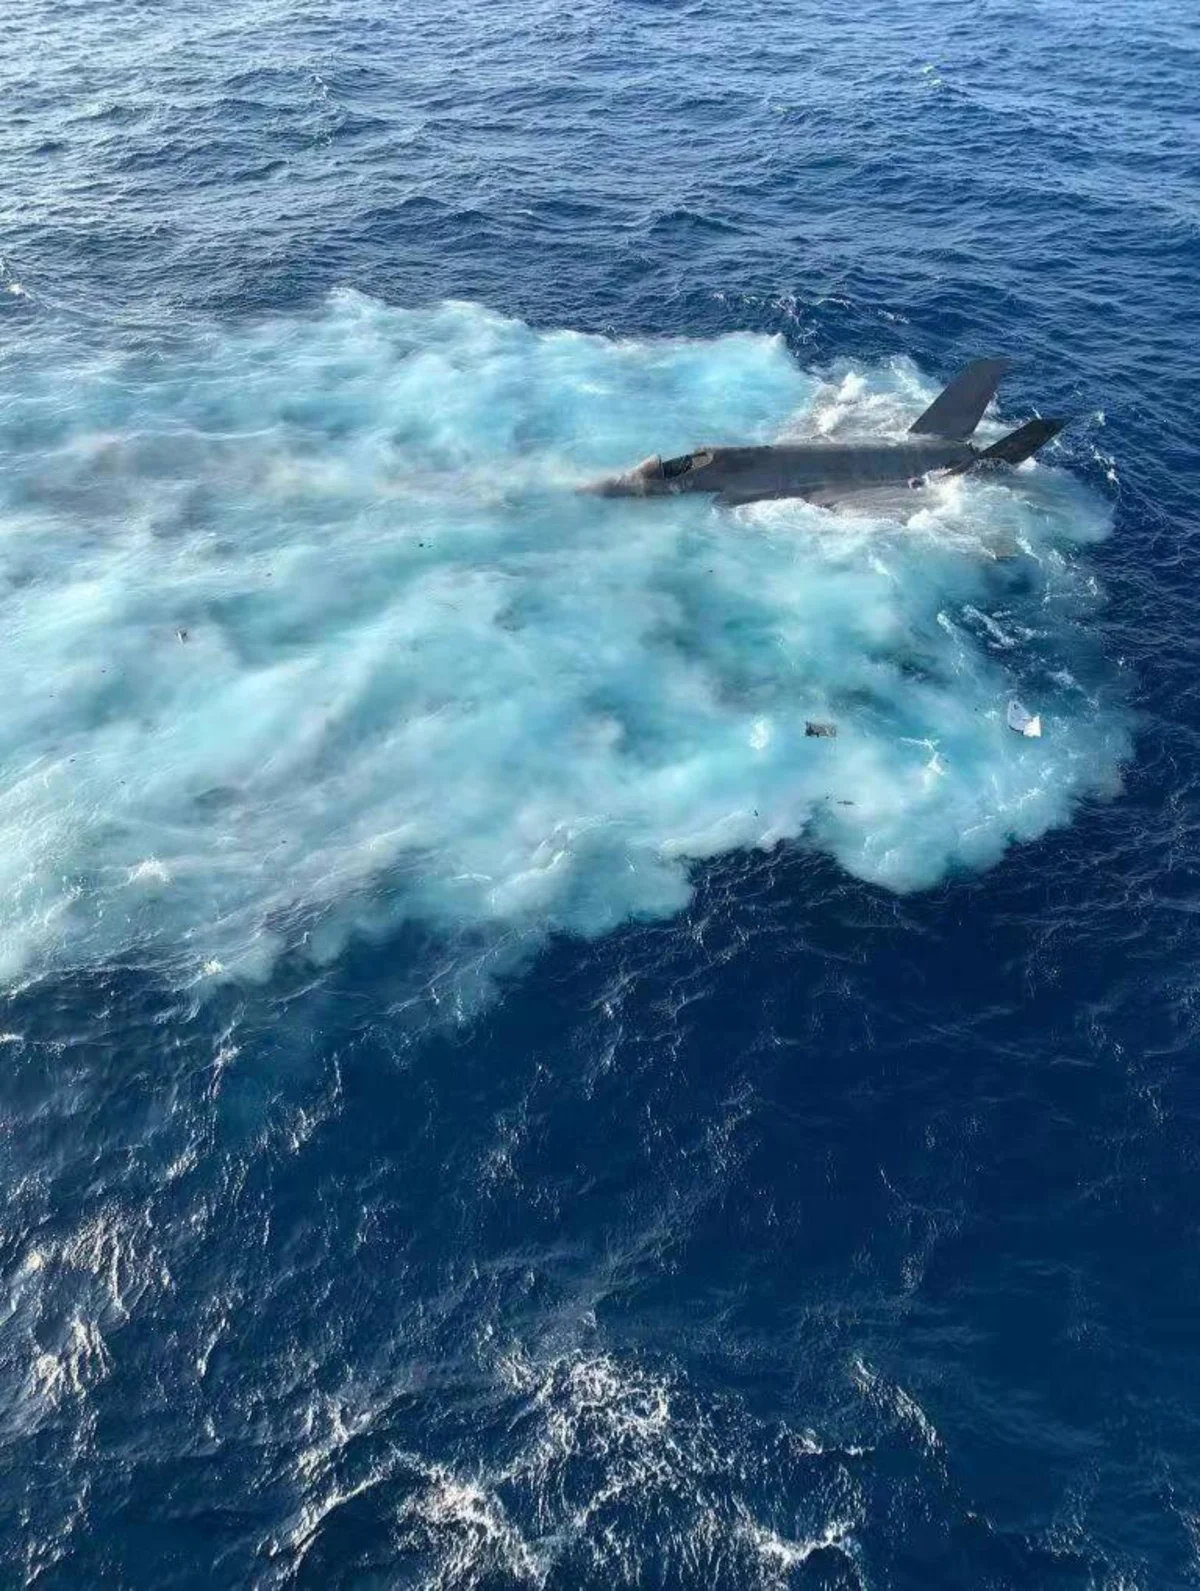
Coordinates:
463 1531
305 631
614 1454
783 1556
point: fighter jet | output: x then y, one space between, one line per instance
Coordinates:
829 473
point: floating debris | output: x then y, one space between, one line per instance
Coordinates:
1024 722
820 731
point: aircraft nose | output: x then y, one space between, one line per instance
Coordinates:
643 481
613 486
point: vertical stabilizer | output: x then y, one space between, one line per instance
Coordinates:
955 413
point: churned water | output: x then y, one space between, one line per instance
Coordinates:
489 1100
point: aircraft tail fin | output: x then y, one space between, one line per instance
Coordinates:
1022 443
956 412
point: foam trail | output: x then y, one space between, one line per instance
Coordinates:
305 631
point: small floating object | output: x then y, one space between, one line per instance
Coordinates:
1024 722
820 731
181 635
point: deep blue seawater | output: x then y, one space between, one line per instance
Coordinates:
487 1103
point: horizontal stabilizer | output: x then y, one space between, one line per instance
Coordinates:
955 413
1022 443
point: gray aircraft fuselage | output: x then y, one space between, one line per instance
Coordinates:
832 472
821 472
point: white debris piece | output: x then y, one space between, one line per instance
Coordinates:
1024 722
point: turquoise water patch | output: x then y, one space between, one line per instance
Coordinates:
307 630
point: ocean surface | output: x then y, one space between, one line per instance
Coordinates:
487 1101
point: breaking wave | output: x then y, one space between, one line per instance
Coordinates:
306 632
605 1464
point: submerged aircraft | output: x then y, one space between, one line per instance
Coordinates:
828 473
